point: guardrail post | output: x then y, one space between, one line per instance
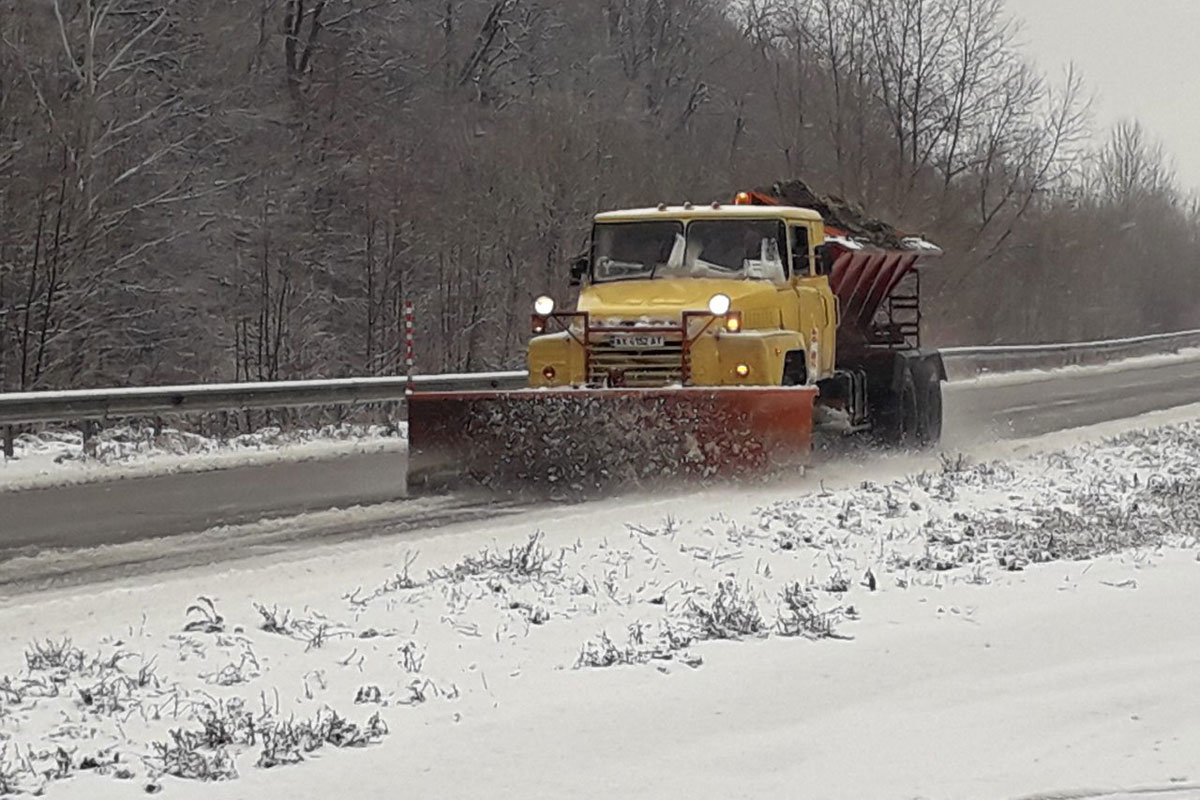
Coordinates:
9 443
87 429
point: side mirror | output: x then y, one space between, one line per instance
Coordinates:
579 268
824 259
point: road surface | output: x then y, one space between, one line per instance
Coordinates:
1067 399
135 509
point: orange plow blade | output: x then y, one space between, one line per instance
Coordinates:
587 439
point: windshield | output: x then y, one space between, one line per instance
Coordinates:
634 249
719 248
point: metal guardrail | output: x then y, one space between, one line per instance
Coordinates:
967 361
25 408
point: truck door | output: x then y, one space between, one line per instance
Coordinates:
817 305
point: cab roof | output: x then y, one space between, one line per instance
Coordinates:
721 211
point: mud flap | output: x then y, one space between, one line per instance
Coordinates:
587 439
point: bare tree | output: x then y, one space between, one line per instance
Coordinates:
1129 168
253 188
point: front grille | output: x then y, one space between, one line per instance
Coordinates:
638 367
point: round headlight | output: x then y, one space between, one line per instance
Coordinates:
544 305
719 304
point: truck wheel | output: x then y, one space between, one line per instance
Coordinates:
898 420
909 432
928 385
795 368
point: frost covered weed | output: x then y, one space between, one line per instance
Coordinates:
668 645
203 617
368 694
184 756
412 657
1144 492
111 694
55 655
32 771
419 691
245 670
1097 528
12 694
837 583
955 464
204 754
1094 521
101 686
670 527
535 615
400 582
602 652
521 562
287 741
800 617
731 615
10 773
315 631
273 621
227 723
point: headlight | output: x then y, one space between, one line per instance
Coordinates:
544 305
718 306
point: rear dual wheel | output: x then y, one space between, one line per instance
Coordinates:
929 405
911 416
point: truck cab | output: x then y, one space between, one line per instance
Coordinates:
714 295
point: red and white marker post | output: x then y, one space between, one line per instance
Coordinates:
409 350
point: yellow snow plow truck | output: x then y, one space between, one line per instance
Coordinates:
706 340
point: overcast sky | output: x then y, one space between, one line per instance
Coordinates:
1139 57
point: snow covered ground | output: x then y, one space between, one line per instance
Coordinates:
1014 621
56 457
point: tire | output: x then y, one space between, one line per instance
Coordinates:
795 368
898 420
929 405
909 431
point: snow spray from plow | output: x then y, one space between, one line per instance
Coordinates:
582 440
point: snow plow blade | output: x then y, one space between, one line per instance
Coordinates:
587 439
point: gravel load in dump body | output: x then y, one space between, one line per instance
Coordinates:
838 212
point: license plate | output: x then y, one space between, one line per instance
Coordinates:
638 341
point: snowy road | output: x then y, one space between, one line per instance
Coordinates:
1018 406
111 512
145 507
